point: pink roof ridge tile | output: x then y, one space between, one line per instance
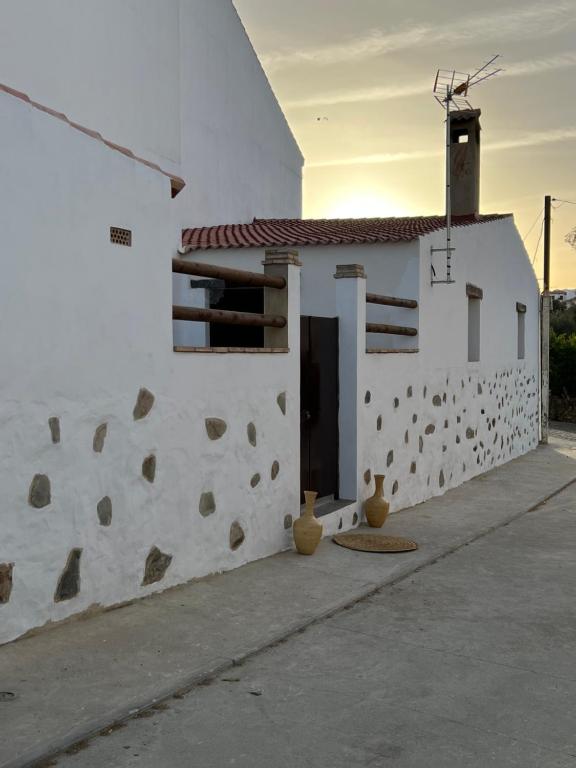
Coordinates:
280 233
176 182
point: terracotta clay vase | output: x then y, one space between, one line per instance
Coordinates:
307 529
376 507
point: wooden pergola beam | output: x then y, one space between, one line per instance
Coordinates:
394 330
253 279
391 301
198 315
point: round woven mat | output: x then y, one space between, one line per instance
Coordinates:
374 542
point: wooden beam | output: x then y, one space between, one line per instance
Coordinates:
225 273
395 330
198 315
391 301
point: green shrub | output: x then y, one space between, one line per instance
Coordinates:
562 364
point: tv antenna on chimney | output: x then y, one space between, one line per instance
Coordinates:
451 90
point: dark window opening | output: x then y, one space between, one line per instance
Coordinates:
232 297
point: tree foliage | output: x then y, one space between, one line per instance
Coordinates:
563 364
563 318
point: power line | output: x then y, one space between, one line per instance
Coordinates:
533 225
563 202
538 243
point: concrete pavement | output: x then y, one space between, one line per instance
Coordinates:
469 663
75 680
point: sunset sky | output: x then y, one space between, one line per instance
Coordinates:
366 69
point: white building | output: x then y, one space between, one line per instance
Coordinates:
566 296
138 453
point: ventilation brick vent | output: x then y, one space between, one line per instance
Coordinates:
121 236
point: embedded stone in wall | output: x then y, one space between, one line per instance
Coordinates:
389 458
379 423
251 431
420 444
215 428
413 468
157 563
39 495
479 389
281 400
237 536
288 521
367 397
104 510
144 404
430 429
406 437
6 570
99 438
437 401
207 505
149 468
457 439
54 425
446 424
395 488
396 403
275 471
409 392
355 518
368 477
69 582
470 433
441 479
425 391
340 524
255 480
414 418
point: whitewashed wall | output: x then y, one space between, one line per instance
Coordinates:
86 325
177 82
434 420
422 445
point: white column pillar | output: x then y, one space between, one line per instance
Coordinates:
351 306
284 302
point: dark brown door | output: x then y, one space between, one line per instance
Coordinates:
319 405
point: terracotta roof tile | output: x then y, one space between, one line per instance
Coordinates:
176 182
279 233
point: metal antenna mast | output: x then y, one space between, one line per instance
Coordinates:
451 92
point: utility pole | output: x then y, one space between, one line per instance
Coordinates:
545 324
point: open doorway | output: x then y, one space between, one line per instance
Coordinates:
319 388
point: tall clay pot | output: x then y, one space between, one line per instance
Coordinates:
376 507
307 529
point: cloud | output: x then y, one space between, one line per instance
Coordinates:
535 139
418 88
510 24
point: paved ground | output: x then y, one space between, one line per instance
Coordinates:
467 664
474 653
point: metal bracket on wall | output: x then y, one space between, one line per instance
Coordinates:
448 280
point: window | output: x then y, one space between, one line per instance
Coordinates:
473 330
475 296
521 324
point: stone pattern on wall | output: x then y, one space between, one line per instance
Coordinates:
106 494
447 429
